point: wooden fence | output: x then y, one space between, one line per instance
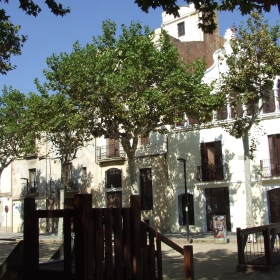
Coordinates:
110 243
258 247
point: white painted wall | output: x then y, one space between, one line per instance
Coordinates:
190 17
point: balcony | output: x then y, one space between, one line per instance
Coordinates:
269 168
109 153
210 173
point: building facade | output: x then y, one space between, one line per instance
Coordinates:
214 162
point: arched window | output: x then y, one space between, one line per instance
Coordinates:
113 178
182 211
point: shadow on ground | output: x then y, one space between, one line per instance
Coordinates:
214 264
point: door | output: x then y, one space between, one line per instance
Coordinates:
182 209
274 152
274 205
17 216
114 199
146 189
217 203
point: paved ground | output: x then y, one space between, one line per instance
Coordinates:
211 261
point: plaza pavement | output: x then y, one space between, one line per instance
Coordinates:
211 261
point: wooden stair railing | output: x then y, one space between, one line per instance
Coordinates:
109 243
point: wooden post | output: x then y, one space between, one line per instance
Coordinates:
67 243
31 240
83 220
267 246
240 247
188 263
136 236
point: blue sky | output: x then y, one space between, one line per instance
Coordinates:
49 34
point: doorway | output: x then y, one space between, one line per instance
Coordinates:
217 203
114 199
274 205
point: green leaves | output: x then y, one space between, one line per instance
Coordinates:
16 134
60 122
11 42
131 84
252 68
207 8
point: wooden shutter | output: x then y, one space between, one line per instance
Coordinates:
192 121
211 161
274 154
269 102
113 148
222 113
218 161
145 140
146 188
204 161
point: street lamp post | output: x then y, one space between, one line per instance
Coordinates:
186 199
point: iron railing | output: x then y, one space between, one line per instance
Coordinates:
207 173
109 152
269 168
258 247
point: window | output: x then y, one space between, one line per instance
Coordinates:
67 174
32 180
182 209
113 178
268 102
274 154
222 113
146 189
145 140
180 123
181 29
211 161
84 171
113 149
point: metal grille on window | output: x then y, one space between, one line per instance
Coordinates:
113 178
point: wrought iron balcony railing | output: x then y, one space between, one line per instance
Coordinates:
108 152
208 173
269 168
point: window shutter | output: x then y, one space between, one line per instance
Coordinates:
146 188
218 161
113 148
222 113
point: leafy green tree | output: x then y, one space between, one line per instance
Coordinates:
10 41
58 122
131 85
10 44
252 67
208 8
16 138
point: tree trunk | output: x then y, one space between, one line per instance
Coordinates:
247 175
130 149
132 175
61 202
